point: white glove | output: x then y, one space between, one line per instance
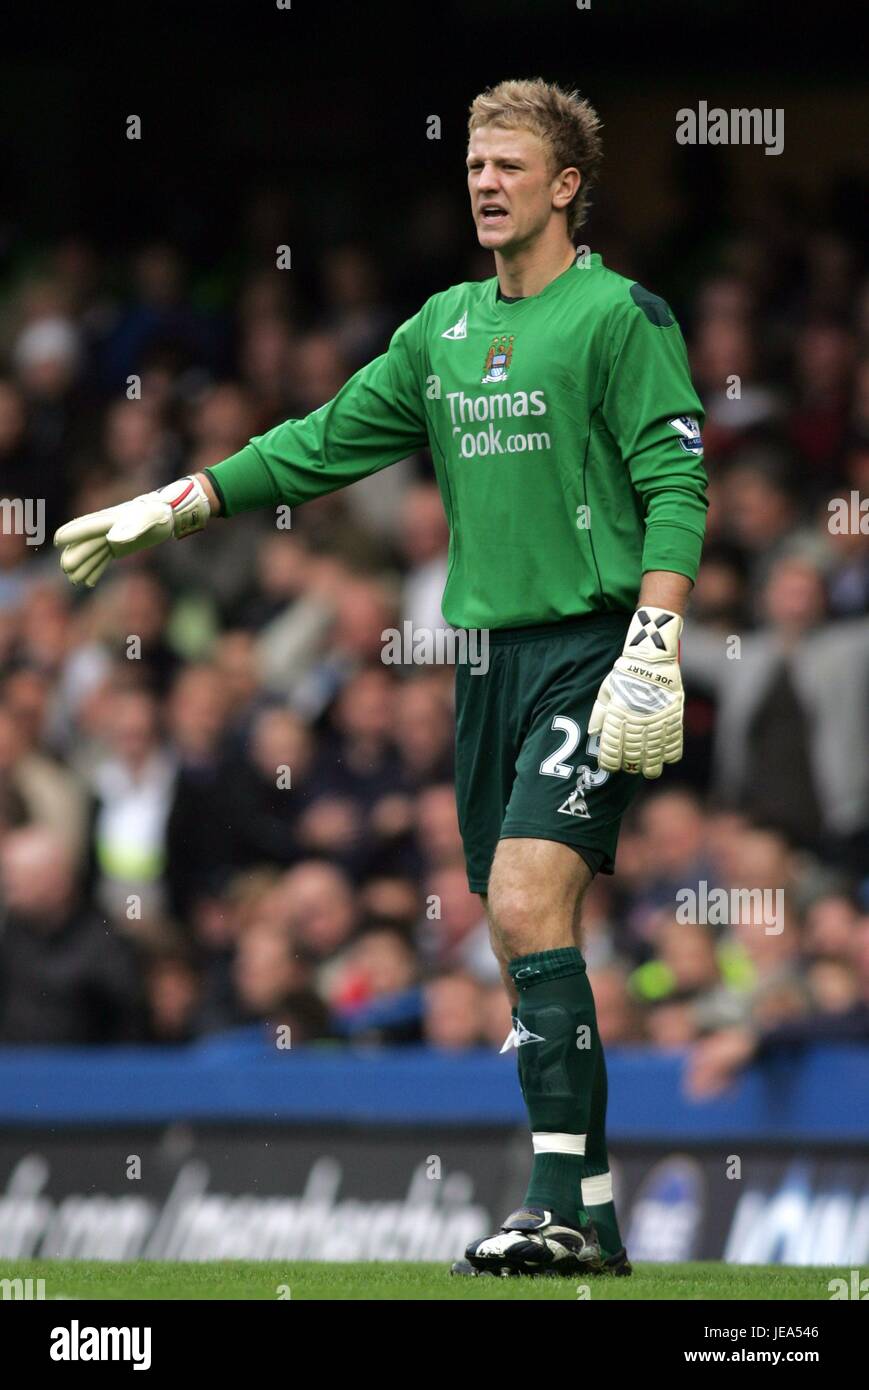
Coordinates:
91 541
638 710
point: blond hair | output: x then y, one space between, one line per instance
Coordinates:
566 122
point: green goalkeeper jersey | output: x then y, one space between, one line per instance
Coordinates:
565 435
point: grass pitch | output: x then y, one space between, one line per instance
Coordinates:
272 1281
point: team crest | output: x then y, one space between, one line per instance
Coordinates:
688 431
498 359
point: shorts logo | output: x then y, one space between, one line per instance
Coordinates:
688 431
498 359
575 805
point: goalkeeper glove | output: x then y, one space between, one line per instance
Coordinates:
91 541
638 710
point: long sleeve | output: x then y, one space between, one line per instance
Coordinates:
375 419
653 412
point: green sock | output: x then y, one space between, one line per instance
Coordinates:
596 1181
556 1073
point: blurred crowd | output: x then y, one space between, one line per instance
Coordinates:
220 808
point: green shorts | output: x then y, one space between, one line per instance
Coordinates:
525 764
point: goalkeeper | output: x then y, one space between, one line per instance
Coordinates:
565 433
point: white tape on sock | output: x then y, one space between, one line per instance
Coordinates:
559 1143
597 1190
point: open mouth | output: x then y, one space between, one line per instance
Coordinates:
491 212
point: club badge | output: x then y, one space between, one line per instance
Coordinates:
498 359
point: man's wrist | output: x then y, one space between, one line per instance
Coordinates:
665 589
214 499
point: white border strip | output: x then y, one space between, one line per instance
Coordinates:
597 1190
559 1143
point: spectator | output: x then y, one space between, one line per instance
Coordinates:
172 985
199 823
453 931
377 999
133 784
453 1013
619 1019
837 1017
270 788
48 793
65 976
785 732
316 902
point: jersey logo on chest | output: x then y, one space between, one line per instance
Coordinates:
498 359
459 329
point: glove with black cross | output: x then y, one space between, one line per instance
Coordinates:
639 707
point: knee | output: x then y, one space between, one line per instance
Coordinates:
528 915
515 919
530 911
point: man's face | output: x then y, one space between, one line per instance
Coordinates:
36 875
511 186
